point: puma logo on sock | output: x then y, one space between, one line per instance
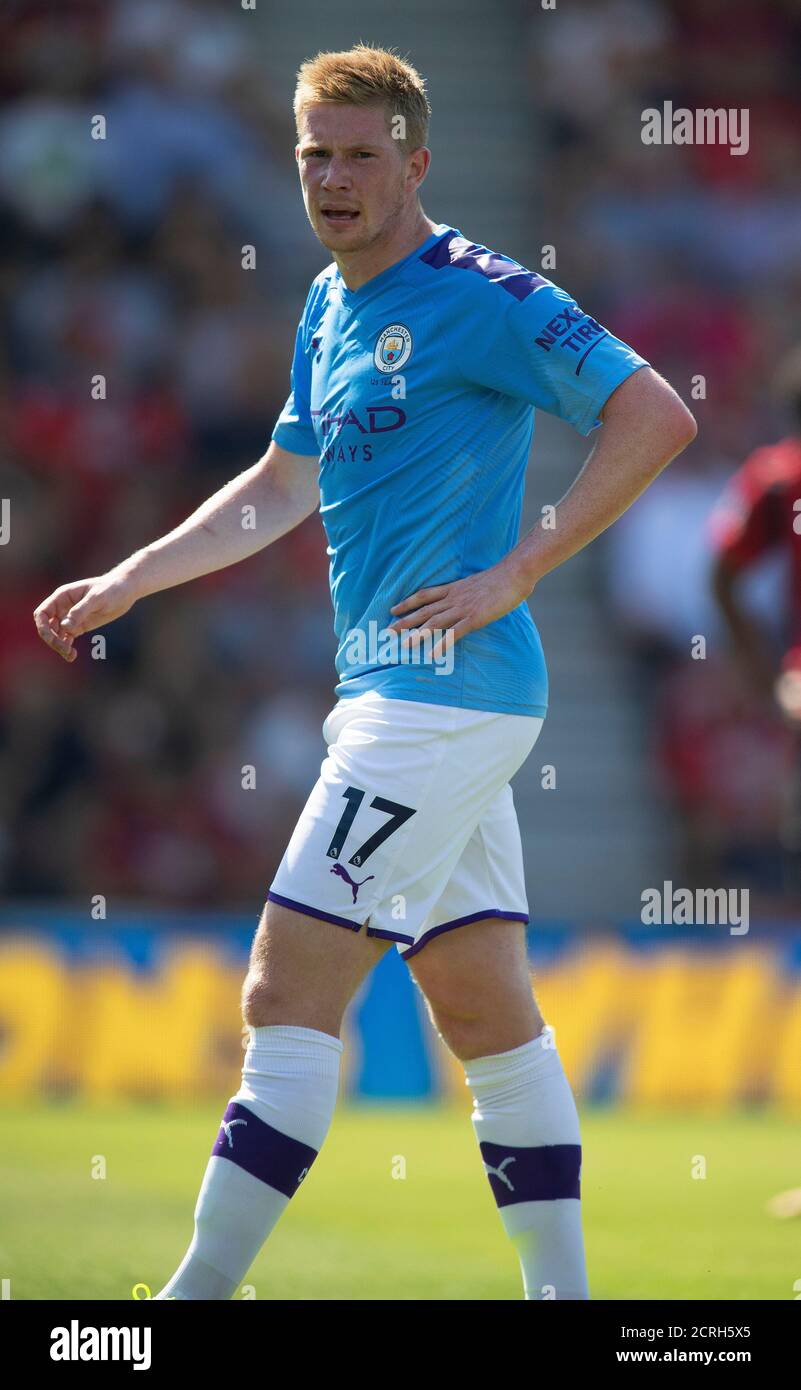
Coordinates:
499 1173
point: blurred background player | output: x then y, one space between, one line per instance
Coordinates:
758 514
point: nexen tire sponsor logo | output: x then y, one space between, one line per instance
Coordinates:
574 330
76 1343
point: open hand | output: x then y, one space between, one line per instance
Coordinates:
459 607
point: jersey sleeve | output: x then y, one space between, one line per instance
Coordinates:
546 350
293 429
747 521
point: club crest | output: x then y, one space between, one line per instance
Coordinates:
393 348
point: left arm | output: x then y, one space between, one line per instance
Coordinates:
645 425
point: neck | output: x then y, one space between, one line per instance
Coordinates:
357 267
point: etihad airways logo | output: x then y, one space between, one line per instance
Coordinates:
371 421
375 419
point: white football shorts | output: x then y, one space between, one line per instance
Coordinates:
411 826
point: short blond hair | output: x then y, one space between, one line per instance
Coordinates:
367 76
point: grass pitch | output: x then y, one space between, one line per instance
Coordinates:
357 1229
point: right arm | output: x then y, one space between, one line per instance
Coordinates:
746 523
257 507
752 649
750 645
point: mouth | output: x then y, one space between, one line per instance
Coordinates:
336 217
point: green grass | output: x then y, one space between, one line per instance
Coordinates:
354 1232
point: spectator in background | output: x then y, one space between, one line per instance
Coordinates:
123 258
48 169
694 255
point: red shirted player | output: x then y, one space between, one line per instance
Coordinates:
760 511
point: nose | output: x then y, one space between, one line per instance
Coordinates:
336 174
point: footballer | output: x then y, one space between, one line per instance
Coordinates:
419 360
758 515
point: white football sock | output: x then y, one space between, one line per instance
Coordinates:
527 1126
269 1137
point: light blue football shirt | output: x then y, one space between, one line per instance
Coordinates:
416 393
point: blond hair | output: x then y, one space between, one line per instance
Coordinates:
367 76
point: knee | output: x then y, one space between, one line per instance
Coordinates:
472 1037
268 1001
471 1033
459 1023
261 1002
253 1004
465 1037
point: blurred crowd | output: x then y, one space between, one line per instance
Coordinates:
122 256
693 255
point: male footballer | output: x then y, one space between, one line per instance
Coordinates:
418 362
756 515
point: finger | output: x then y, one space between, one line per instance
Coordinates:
45 619
63 599
448 638
82 618
415 637
62 645
409 640
416 619
422 596
56 606
447 618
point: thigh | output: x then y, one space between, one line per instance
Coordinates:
477 984
304 971
477 970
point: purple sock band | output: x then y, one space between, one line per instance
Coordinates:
543 1174
266 1153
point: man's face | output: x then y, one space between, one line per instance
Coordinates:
356 179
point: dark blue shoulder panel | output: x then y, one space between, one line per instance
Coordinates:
466 255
